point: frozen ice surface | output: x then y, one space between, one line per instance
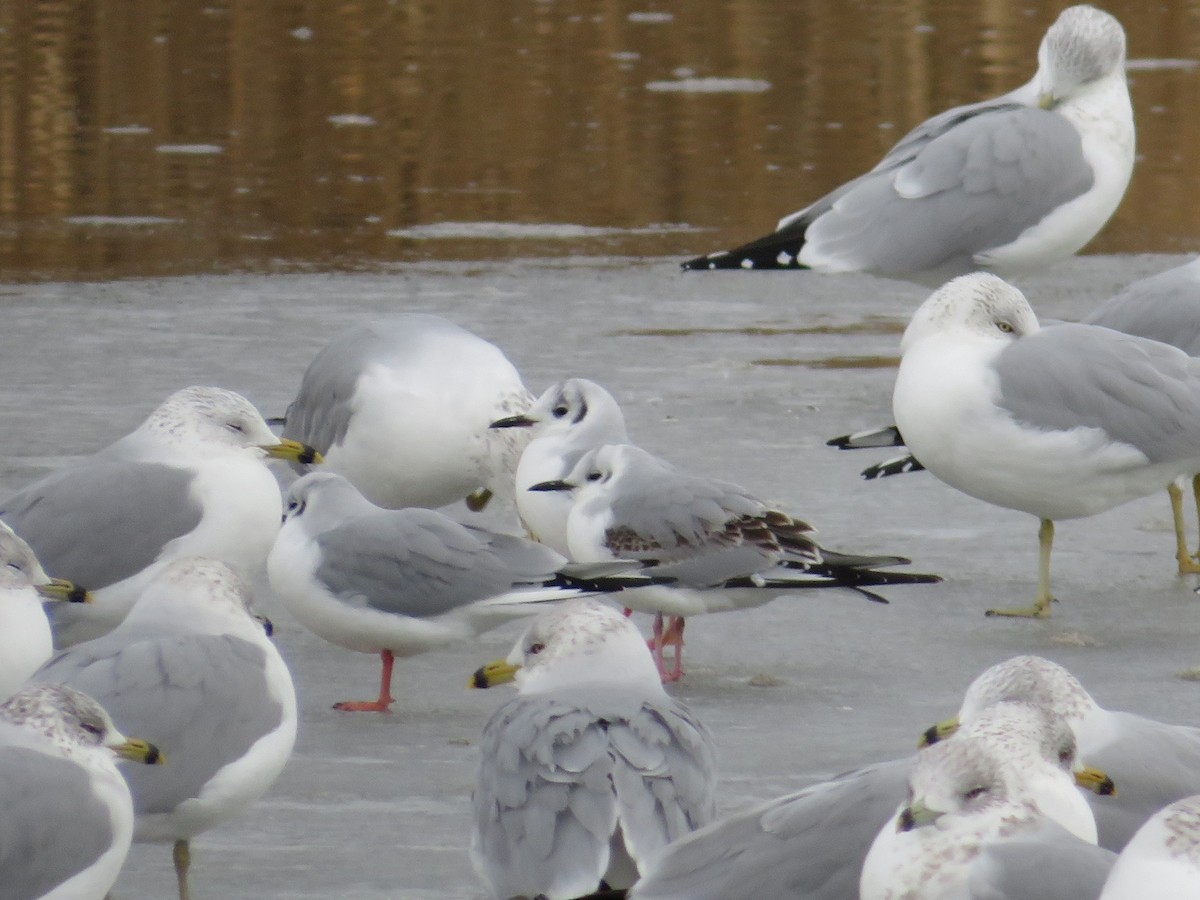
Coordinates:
739 377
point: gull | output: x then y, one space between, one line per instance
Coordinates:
1163 307
405 581
1060 422
1010 184
1163 859
568 419
66 817
190 480
719 547
1152 763
401 407
25 639
972 829
592 768
194 671
811 844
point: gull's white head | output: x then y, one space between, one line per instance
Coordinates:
205 596
73 722
582 642
1033 680
576 409
18 564
962 777
980 305
322 500
1085 45
212 416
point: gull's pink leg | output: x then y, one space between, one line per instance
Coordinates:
674 635
385 690
656 647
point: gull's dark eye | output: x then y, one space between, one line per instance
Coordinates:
235 427
92 728
595 476
535 648
975 792
559 411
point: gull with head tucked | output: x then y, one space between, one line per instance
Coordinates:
1010 184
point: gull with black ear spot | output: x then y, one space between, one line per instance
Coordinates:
1060 422
192 479
1011 184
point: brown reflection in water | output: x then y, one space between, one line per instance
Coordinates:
141 137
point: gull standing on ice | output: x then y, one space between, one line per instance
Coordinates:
810 845
190 480
1011 184
569 419
401 408
399 582
1163 859
1152 763
1059 422
66 817
721 548
192 669
592 768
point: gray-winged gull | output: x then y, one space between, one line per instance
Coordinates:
194 671
721 548
1010 184
66 817
190 480
974 828
1163 859
399 582
810 845
1152 763
1058 422
401 407
592 768
568 419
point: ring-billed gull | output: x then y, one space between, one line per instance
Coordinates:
568 419
194 671
1152 763
1058 422
1163 307
399 582
190 480
1163 859
401 408
25 640
66 817
974 828
592 768
810 845
721 548
1010 184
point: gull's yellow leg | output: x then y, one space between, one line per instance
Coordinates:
1041 603
182 855
1187 563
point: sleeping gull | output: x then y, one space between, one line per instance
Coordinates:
568 419
190 480
194 671
1058 422
592 768
1011 184
399 582
1152 763
1163 859
973 828
25 641
721 548
1163 307
811 844
401 408
66 817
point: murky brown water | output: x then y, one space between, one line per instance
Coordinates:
138 137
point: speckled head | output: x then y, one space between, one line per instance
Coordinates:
581 641
1029 679
1181 824
69 718
204 590
958 777
980 304
1083 45
1026 731
210 415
